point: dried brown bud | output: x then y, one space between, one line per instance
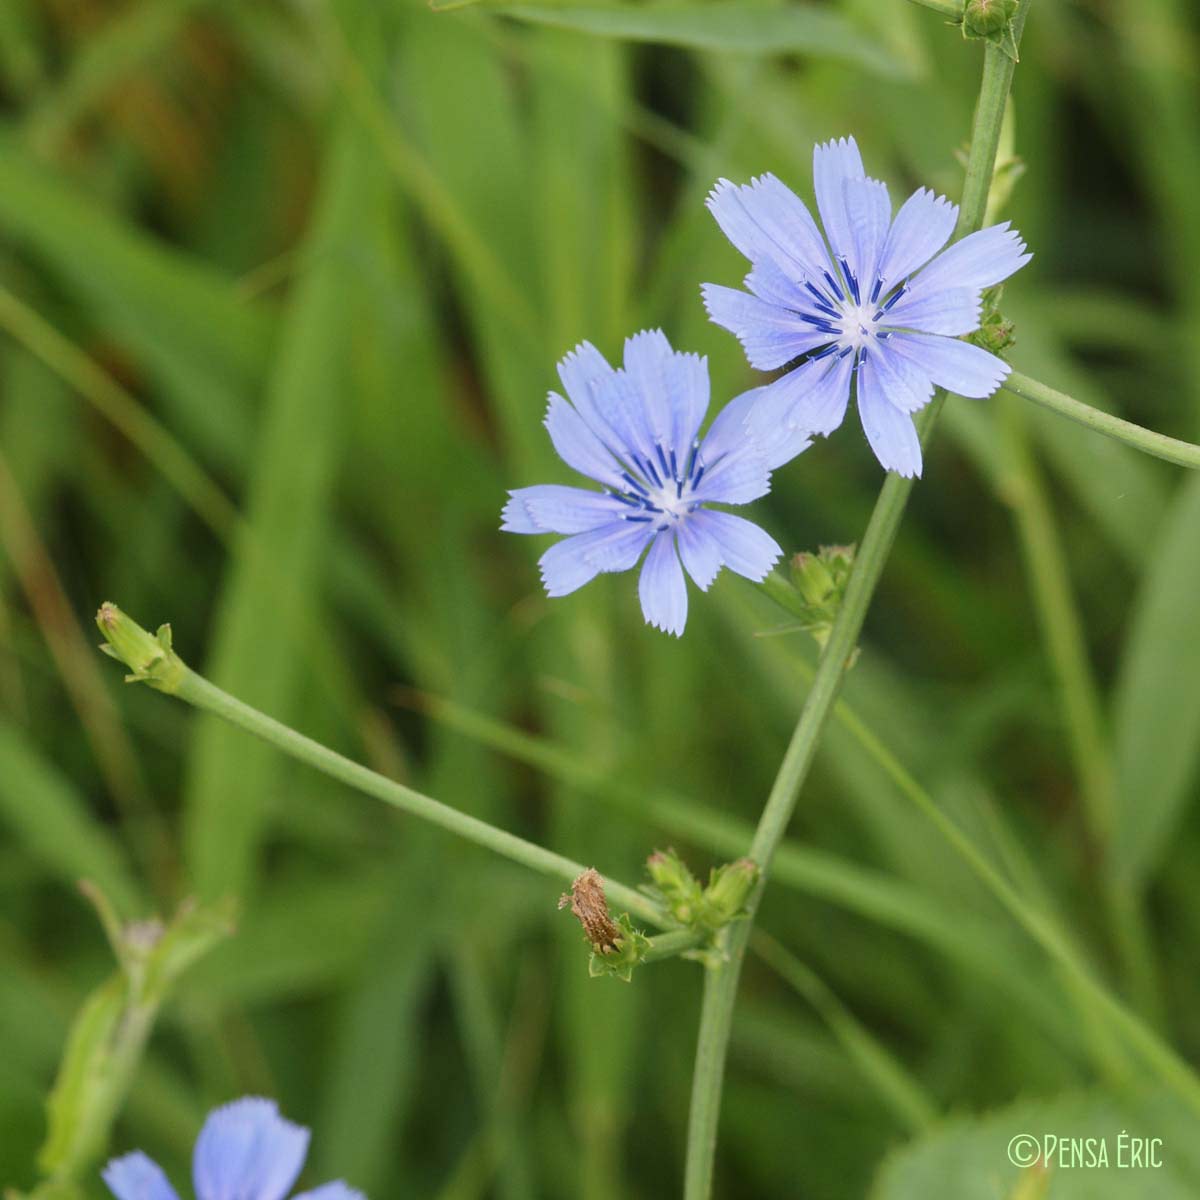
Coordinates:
590 907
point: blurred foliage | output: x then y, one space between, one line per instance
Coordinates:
282 285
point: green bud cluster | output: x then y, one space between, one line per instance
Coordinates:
996 332
708 908
813 588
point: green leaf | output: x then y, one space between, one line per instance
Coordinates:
1158 697
271 590
970 1159
726 28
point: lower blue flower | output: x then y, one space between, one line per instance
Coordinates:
635 430
246 1151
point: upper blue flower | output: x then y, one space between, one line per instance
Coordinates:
857 303
635 430
246 1151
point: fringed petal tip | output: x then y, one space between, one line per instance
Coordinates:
136 1176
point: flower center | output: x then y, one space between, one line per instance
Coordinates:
659 487
857 324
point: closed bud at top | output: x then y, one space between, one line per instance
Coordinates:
729 888
148 656
982 18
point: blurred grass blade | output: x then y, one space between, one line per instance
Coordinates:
880 1068
55 826
178 316
116 405
273 585
137 34
722 27
1157 703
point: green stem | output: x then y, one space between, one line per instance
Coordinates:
668 945
1183 454
197 690
721 982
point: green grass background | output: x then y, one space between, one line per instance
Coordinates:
282 286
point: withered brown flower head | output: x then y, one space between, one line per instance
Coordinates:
587 902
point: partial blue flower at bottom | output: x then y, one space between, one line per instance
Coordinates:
635 430
872 301
246 1151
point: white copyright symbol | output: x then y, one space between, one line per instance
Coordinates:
1024 1150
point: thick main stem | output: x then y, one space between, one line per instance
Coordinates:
720 990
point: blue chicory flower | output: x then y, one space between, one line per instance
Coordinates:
864 306
246 1151
635 430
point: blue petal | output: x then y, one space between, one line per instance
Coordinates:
137 1177
571 563
700 553
578 446
585 373
767 221
738 477
769 283
661 586
247 1151
950 311
551 508
870 213
808 401
332 1191
891 432
904 382
977 261
730 433
743 546
957 366
921 228
648 358
770 335
610 418
736 467
834 165
673 388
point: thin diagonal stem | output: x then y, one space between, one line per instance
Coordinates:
198 691
1183 454
720 986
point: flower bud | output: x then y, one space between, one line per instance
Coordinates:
674 885
814 581
149 657
982 18
729 888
